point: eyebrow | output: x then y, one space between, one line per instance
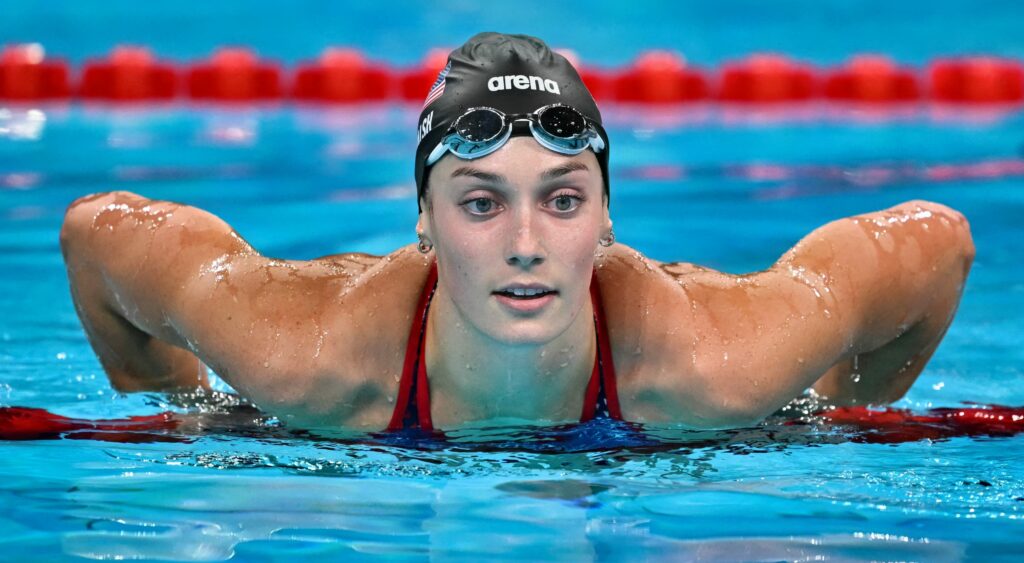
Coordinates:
562 170
548 175
479 174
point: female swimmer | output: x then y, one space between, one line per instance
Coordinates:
517 303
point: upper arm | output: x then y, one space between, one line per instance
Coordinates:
728 350
755 341
184 276
146 253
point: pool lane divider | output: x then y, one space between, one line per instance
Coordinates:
858 425
345 75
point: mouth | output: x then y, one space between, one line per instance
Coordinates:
525 299
525 293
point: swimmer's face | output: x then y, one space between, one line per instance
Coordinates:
524 218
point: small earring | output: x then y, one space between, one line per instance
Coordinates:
608 240
424 246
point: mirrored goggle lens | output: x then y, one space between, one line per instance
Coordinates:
562 122
480 125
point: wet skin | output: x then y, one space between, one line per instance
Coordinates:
855 309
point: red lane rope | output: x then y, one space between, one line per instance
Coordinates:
25 423
890 426
345 75
885 426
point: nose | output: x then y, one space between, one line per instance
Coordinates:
525 248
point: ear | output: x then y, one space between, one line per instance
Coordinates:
424 227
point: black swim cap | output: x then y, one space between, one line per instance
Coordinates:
511 73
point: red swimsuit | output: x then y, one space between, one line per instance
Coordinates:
412 409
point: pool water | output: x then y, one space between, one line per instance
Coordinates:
729 190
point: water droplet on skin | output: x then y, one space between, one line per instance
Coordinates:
266 364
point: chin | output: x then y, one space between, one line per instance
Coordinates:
519 332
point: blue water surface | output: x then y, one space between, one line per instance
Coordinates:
733 195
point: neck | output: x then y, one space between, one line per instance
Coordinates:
475 377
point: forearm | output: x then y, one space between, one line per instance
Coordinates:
134 358
883 375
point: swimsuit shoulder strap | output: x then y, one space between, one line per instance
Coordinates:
412 406
602 397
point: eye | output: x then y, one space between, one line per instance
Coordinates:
565 203
480 206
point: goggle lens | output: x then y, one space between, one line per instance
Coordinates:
562 121
480 125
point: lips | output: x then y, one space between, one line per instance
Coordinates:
525 298
525 291
522 293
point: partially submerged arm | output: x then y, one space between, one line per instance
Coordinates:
881 288
123 287
162 287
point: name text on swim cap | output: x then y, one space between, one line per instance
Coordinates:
425 126
522 82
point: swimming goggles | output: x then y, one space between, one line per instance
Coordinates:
483 130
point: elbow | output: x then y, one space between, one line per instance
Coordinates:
961 227
80 217
966 243
76 222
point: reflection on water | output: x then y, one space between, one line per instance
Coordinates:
792 488
212 516
22 124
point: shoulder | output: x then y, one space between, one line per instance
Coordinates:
376 307
674 327
647 309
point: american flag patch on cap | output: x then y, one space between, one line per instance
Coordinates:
438 88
